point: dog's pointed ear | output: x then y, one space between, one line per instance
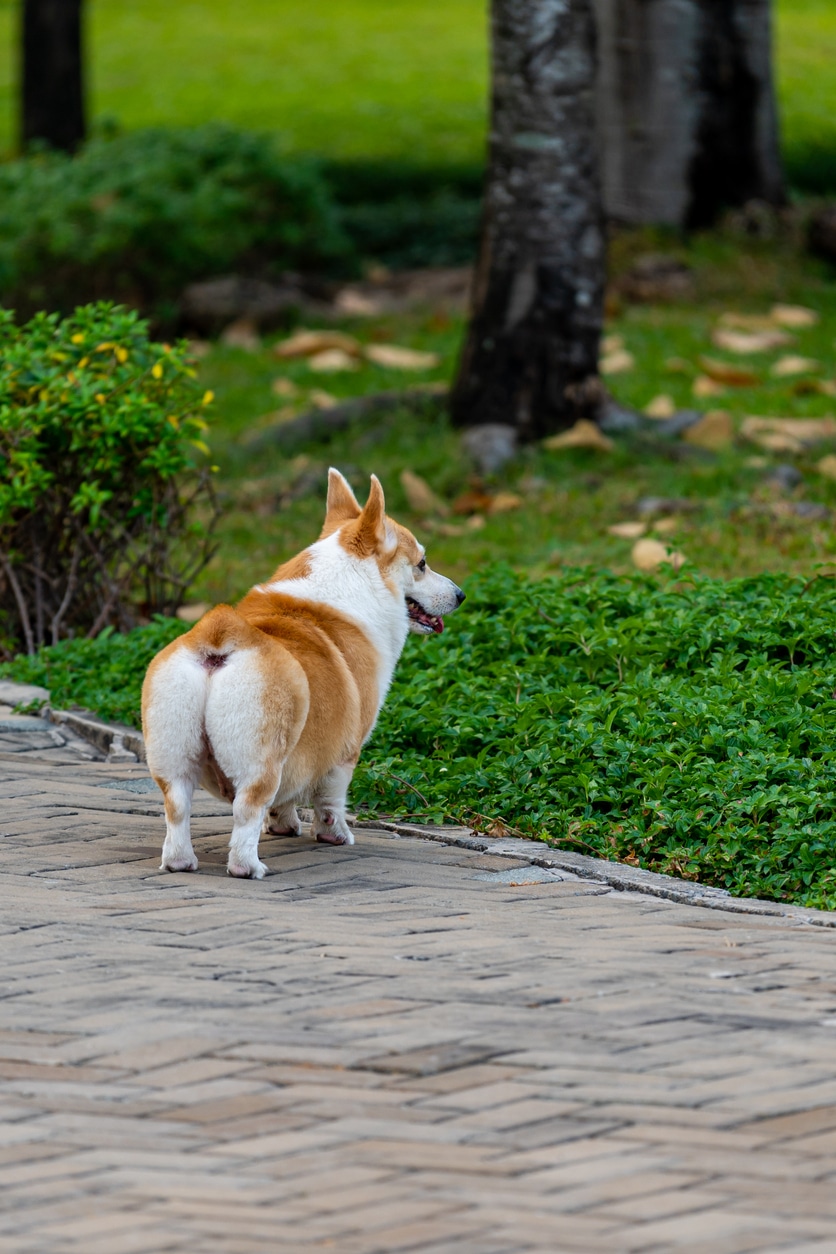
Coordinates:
371 527
341 505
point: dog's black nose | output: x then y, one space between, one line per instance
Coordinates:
459 596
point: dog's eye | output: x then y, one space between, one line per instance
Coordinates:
422 565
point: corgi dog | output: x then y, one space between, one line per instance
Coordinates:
269 704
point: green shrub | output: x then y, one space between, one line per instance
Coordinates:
136 217
408 215
405 233
684 727
101 451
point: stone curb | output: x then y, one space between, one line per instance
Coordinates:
616 875
121 743
117 742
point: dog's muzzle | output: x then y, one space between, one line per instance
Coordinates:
423 621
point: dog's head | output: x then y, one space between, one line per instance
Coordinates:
367 533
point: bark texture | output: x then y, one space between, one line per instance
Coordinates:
53 74
686 108
530 357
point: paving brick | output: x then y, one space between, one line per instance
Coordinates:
374 1051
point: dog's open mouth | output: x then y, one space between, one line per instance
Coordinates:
423 621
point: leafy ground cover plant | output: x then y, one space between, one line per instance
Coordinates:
135 217
681 725
102 467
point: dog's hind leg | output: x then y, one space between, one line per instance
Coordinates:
178 854
174 698
329 825
248 812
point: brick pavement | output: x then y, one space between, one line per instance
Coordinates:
394 1047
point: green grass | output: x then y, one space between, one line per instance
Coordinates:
346 78
359 79
806 72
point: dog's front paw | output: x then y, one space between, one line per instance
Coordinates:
331 828
283 822
246 870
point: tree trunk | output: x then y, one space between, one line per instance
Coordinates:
531 353
52 74
686 108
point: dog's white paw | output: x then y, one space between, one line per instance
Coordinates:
246 870
283 823
188 862
331 829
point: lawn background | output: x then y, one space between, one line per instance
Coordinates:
366 79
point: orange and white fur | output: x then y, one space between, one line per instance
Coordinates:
268 704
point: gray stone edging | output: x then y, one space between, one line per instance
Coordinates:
120 743
617 875
115 740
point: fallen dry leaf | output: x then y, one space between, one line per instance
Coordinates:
308 343
747 322
827 466
242 333
775 442
661 407
713 431
618 362
420 496
749 341
199 349
809 387
786 366
649 554
476 523
703 386
332 360
584 434
322 400
396 358
733 376
358 304
793 316
628 530
678 365
192 613
612 344
807 430
666 526
284 387
472 502
504 502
